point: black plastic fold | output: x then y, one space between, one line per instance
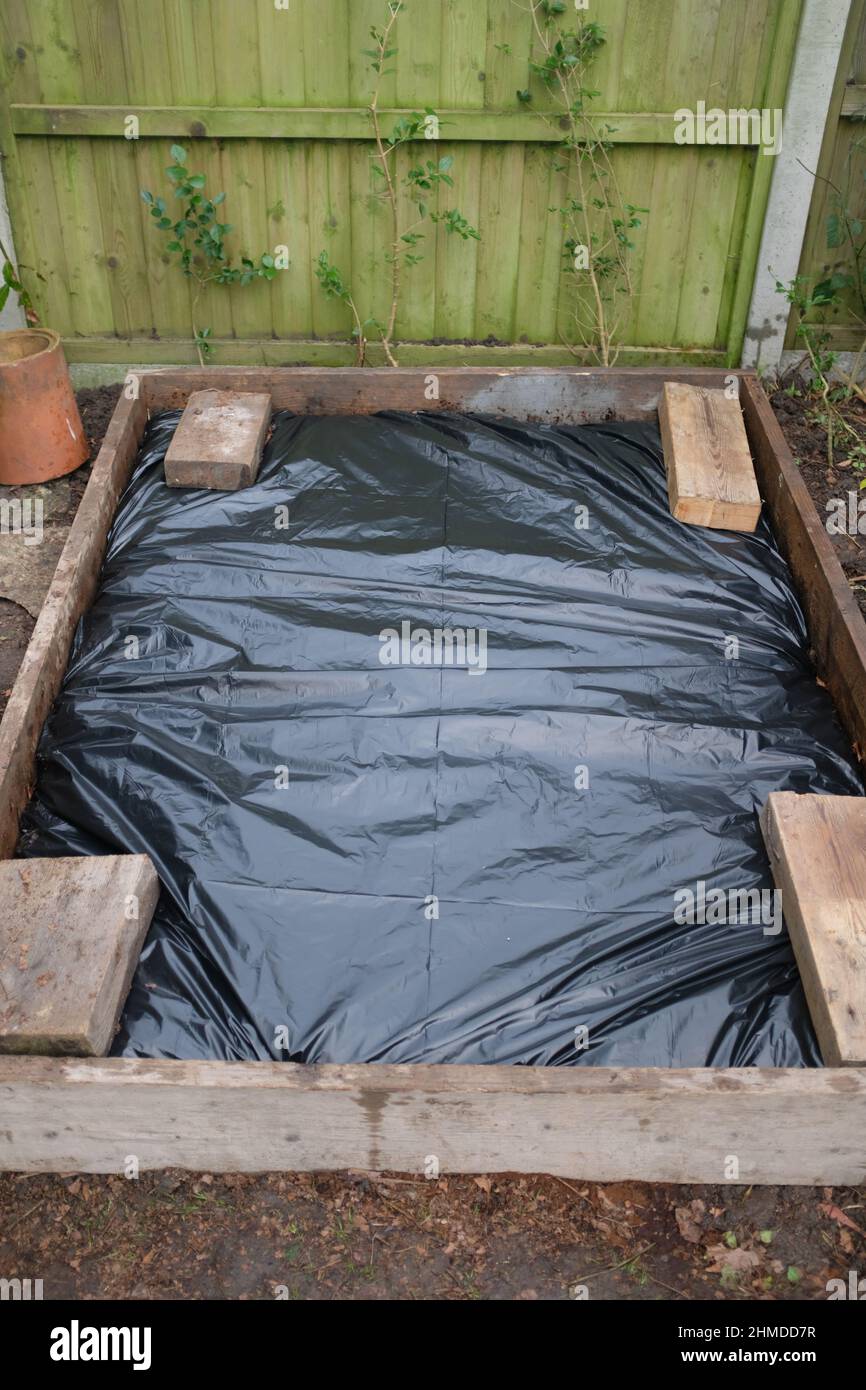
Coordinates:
482 861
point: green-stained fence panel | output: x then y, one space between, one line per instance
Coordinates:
271 104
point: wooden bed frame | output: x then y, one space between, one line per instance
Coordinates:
690 1125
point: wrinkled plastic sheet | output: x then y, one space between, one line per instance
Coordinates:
364 862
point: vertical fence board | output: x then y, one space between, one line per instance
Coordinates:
509 42
419 55
285 188
496 288
363 16
145 40
168 291
463 43
843 157
235 36
44 249
457 260
114 173
540 260
281 55
326 56
190 54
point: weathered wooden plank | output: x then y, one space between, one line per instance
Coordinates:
370 231
281 54
840 141
711 479
189 56
71 590
705 257
70 935
235 39
836 629
496 281
539 393
243 176
81 234
289 225
817 851
456 259
418 40
854 101
56 51
329 205
509 44
168 290
218 443
781 1126
667 236
339 352
540 260
461 70
39 240
647 44
363 16
326 55
416 315
145 65
122 242
325 123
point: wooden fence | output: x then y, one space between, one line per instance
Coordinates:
841 173
271 103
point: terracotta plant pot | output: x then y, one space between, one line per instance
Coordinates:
41 435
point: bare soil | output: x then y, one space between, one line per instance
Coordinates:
826 483
365 1236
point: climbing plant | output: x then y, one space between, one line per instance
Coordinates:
597 222
196 238
421 182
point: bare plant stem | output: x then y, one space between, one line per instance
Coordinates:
199 286
384 153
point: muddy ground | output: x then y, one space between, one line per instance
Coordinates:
361 1236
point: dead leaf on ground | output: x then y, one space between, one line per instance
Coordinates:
688 1218
834 1213
741 1261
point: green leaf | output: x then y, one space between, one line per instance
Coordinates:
178 154
835 230
765 1237
4 295
793 1274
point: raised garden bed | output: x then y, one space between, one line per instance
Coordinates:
781 1125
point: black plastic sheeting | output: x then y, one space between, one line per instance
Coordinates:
465 866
